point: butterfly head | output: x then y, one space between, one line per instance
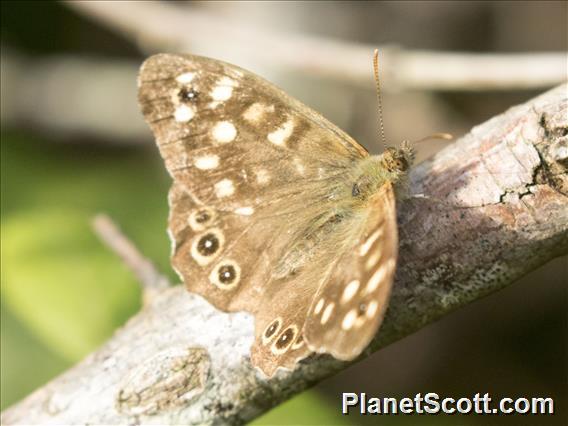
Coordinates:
398 160
392 167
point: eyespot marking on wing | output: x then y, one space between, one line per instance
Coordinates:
200 218
271 330
207 246
226 275
284 340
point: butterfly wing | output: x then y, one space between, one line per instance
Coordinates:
252 168
349 306
242 150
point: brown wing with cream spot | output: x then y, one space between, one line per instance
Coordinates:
241 153
252 168
349 307
279 340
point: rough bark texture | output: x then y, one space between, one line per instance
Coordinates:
494 207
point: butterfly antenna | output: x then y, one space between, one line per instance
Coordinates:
377 82
442 136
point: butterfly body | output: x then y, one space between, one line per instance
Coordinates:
273 210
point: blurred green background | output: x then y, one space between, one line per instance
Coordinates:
63 293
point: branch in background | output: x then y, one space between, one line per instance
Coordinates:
68 97
180 361
163 27
77 99
72 98
151 280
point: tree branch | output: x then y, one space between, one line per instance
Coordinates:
159 26
495 208
150 279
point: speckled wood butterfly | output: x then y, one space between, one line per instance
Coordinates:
273 209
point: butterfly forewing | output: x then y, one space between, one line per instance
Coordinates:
257 220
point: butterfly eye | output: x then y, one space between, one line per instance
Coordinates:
188 95
401 164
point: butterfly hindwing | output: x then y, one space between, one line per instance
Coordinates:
349 306
279 337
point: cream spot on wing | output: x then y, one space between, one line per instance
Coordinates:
185 78
224 188
279 136
223 90
372 309
349 319
207 162
349 291
327 312
254 113
224 132
367 245
262 176
376 279
379 276
244 211
373 259
300 168
319 306
184 113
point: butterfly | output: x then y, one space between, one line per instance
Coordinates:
273 209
